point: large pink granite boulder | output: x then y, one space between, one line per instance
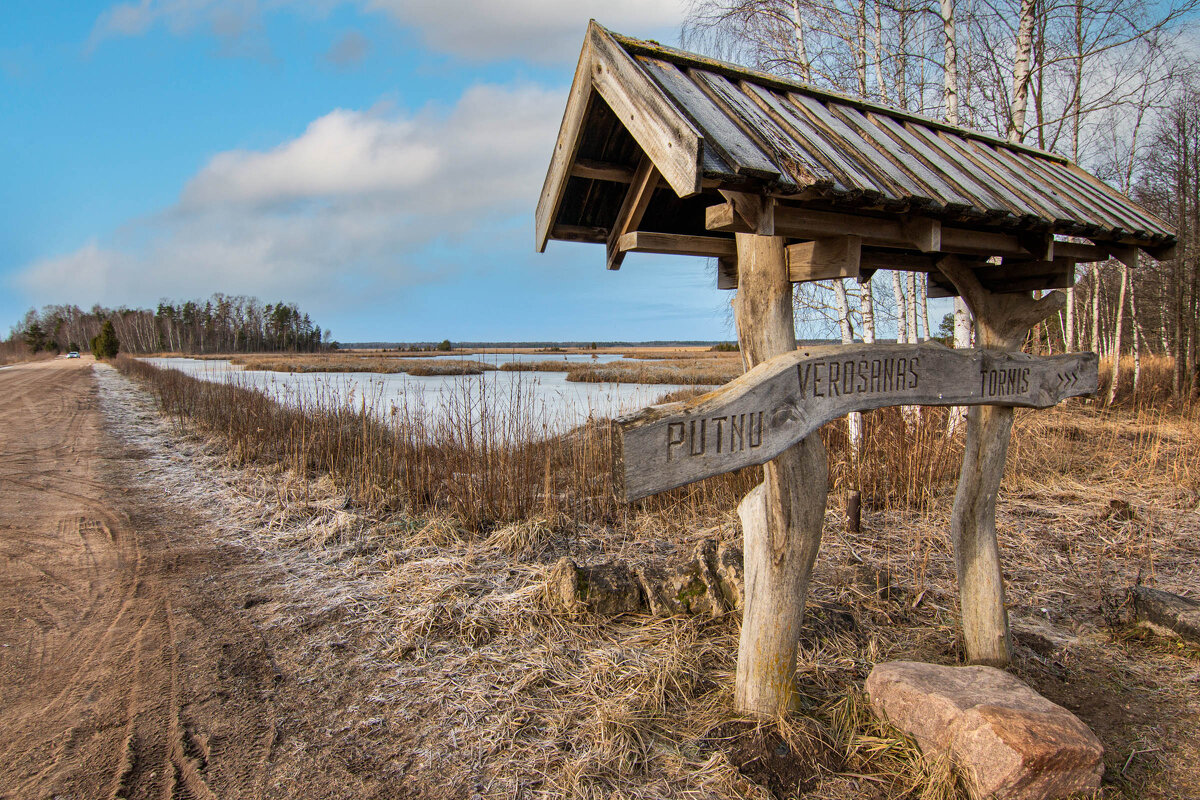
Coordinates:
1009 741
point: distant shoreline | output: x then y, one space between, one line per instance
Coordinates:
575 345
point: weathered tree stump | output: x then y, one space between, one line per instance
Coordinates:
710 583
1172 613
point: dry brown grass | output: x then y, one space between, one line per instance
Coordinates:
684 353
681 371
337 362
541 705
1153 384
14 354
549 365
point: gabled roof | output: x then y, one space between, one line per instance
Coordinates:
638 110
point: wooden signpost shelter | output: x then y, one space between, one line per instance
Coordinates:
662 151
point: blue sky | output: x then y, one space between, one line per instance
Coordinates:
377 162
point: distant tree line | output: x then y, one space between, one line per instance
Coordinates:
221 324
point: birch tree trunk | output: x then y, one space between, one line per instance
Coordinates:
854 418
801 49
911 413
912 336
950 63
1069 328
1021 63
879 54
1138 337
783 516
923 302
962 339
867 310
843 311
1116 350
860 46
901 309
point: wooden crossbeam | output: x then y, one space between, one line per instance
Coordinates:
1162 252
580 233
824 259
677 244
874 258
637 200
924 233
1126 255
601 171
754 212
912 234
1085 253
870 260
727 273
981 243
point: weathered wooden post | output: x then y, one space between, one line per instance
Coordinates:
1002 323
782 517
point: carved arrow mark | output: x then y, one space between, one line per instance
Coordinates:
1067 380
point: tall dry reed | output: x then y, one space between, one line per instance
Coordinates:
488 457
1153 381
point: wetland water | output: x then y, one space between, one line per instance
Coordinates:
546 398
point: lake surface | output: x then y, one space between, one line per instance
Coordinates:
546 399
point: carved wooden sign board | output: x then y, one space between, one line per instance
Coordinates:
756 417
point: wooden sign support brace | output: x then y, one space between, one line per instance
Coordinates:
1002 322
782 517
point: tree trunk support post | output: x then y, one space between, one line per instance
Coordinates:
783 516
1002 323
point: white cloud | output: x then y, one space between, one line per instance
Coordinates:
344 153
547 31
489 151
360 201
84 273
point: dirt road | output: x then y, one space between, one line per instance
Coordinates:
90 617
134 657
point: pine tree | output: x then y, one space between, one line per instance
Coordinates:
105 345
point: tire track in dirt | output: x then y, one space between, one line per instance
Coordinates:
92 690
152 648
